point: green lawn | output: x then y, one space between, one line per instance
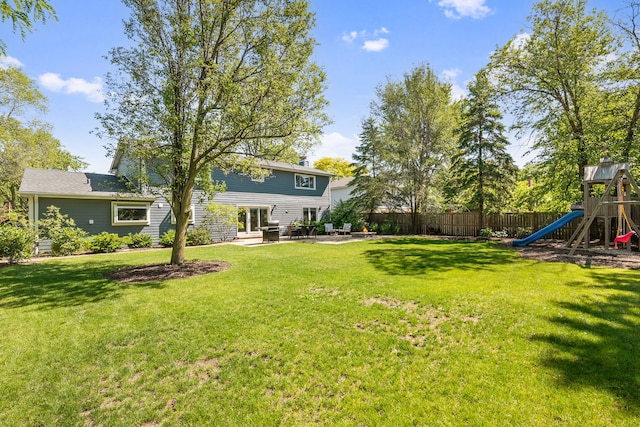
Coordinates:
395 332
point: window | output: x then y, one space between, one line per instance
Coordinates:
130 213
309 214
191 219
306 182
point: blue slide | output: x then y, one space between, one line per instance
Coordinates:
561 222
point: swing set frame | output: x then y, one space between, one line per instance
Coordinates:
608 206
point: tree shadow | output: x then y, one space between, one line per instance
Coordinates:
598 344
415 256
48 285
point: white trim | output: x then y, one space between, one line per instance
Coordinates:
304 176
130 205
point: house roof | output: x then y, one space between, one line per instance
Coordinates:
290 167
267 164
341 183
52 182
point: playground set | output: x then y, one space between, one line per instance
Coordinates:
609 208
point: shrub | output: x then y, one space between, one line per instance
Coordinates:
167 238
347 211
68 241
486 232
200 235
66 238
16 243
139 240
222 220
105 243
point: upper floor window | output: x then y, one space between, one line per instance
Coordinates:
130 213
306 182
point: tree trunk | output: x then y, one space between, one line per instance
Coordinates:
182 212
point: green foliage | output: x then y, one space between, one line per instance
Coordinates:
482 171
22 14
138 240
25 143
168 238
233 81
347 211
338 166
66 238
200 235
221 220
105 243
554 81
17 240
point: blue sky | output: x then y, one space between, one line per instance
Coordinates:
361 44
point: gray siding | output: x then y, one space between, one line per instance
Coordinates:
280 182
285 203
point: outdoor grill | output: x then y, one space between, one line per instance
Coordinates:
271 233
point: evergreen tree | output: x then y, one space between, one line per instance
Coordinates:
483 170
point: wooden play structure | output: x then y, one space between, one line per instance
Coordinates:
612 207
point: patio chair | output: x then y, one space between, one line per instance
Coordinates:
346 228
328 228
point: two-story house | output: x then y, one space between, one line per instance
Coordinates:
105 202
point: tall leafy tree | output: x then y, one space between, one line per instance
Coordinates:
624 94
483 170
417 116
25 141
341 168
207 81
22 14
553 77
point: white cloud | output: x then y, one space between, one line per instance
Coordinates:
92 90
9 61
372 40
375 45
334 144
456 9
350 36
451 74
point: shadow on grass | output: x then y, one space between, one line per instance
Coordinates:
599 342
414 256
49 285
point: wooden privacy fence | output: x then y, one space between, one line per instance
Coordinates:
468 223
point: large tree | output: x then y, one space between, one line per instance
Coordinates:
22 14
484 172
370 186
24 141
338 166
553 77
417 116
209 82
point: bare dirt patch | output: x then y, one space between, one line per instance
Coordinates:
559 252
159 272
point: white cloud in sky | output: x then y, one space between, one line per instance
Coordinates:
456 9
372 42
91 90
334 144
375 45
9 61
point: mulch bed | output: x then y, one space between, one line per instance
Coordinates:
158 272
559 252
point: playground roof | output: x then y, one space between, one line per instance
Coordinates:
604 172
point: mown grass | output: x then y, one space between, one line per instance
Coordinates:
396 332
